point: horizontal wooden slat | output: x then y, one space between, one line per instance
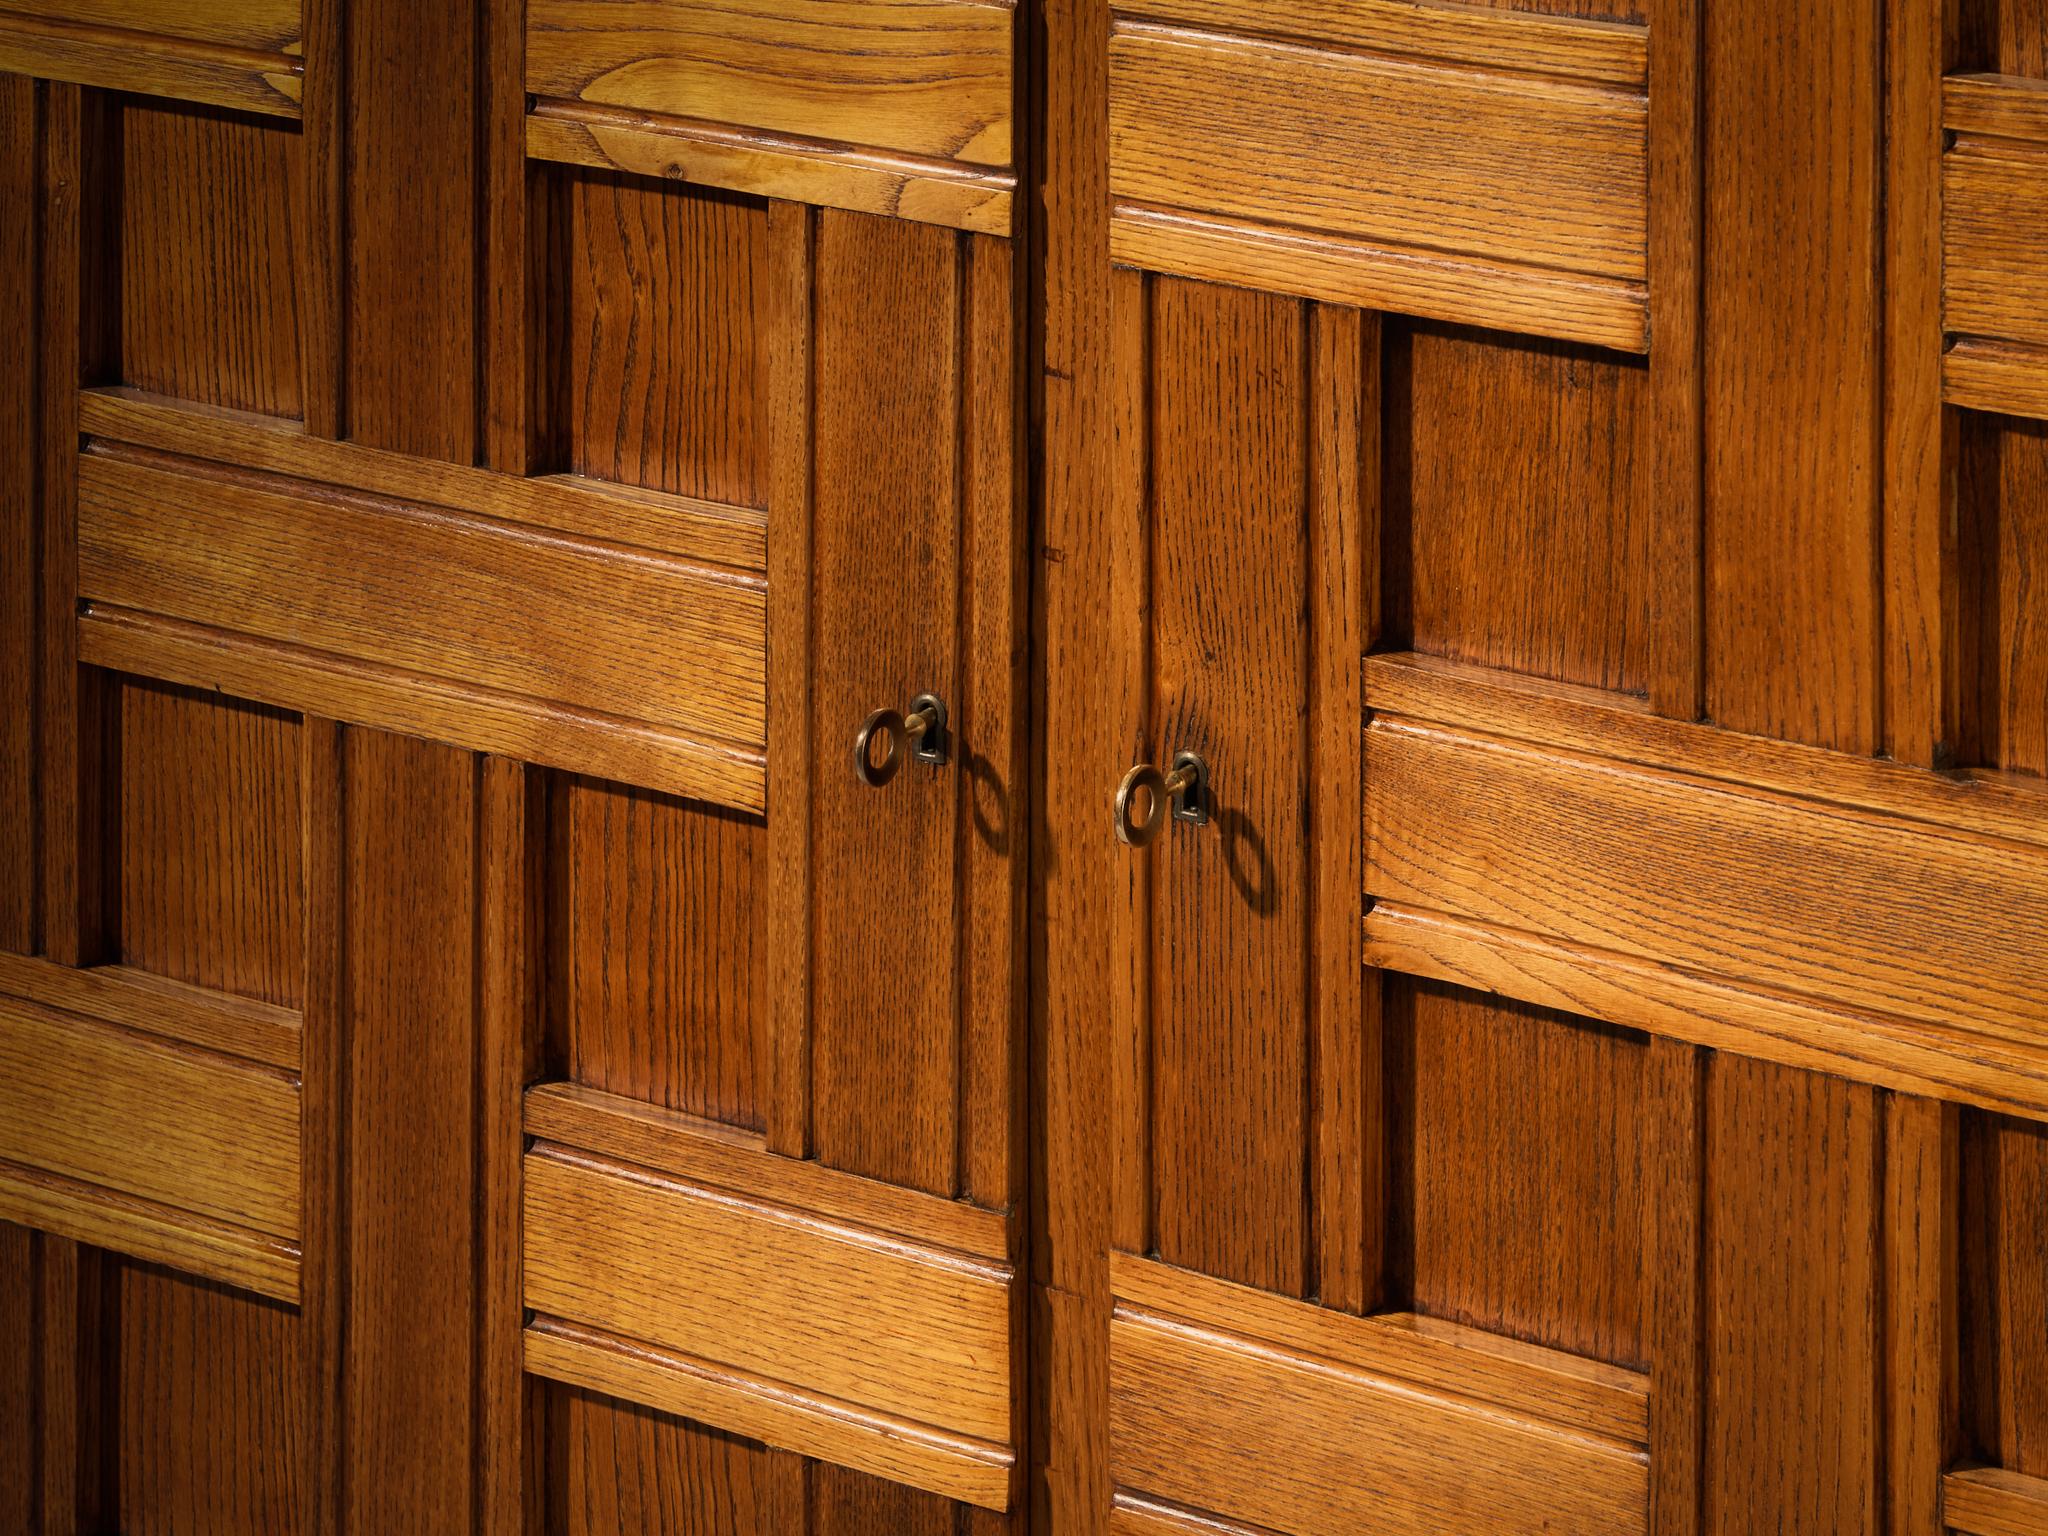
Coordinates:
707 1152
1133 1515
707 532
854 103
500 610
2004 376
1994 263
216 1021
220 54
828 1336
139 1134
771 165
1406 166
2000 106
1384 1427
1825 903
1989 1501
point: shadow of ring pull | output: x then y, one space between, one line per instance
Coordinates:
922 731
1184 787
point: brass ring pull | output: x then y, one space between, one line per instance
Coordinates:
1181 793
922 731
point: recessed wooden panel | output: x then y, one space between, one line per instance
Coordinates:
661 342
1517 1200
123 1139
1532 552
1448 191
2002 542
205 1410
234 53
1292 1419
761 1305
664 988
2002 1298
561 623
1994 196
210 259
204 840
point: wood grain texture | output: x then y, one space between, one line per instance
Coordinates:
1242 129
20 541
1998 376
2002 511
1921 1410
514 613
1817 901
1228 467
1994 187
785 166
137 1000
2002 1303
210 257
204 841
929 77
222 54
1517 1197
1674 1294
18 1384
1987 1501
1793 1273
885 588
1380 1427
1792 209
665 970
204 1410
323 1128
1548 574
662 385
410 989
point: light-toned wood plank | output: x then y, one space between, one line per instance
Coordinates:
1996 106
906 1333
1452 1444
473 600
1674 1297
2003 376
1483 36
1134 1515
139 1000
774 165
270 26
221 73
161 1234
1512 170
685 526
1922 1410
1759 891
707 1152
186 1128
1994 203
1336 269
773 1412
1989 1501
392 699
928 77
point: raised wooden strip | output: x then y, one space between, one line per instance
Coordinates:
2008 377
706 531
139 1000
566 625
758 1310
1387 1424
1823 902
224 54
1427 169
1990 1501
1995 268
774 165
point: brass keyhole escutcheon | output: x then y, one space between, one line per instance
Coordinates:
1147 798
922 732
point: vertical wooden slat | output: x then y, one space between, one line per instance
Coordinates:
1676 211
1344 408
506 354
323 1117
787 340
63 1271
323 222
1922 1416
20 543
410 1437
1129 568
69 734
993 725
1674 1172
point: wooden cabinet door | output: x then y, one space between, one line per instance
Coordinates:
1575 476
474 1054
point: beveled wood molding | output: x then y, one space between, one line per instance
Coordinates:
243 54
1530 840
1440 160
1990 1501
681 1265
1994 268
1394 1423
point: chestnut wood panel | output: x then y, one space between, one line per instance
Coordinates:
1988 1501
137 1000
1994 278
111 1135
2002 1301
2002 508
20 565
231 53
322 570
1222 146
1407 1425
758 1310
